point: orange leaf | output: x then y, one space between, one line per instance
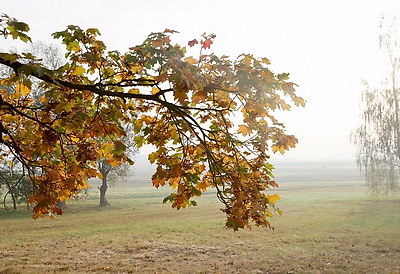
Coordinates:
157 182
207 43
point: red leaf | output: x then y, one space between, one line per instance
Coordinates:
207 43
193 42
171 31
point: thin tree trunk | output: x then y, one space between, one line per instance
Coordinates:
14 201
103 190
13 198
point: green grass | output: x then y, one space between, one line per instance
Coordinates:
332 227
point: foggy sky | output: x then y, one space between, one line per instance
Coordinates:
328 47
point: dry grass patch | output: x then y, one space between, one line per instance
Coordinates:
332 229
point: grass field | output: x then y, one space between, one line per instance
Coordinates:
327 226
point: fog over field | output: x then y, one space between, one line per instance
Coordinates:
323 217
285 171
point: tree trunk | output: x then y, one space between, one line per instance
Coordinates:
61 204
103 190
14 199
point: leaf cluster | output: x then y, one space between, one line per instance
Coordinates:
188 109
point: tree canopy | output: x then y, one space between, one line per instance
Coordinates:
210 119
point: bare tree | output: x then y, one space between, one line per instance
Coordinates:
378 134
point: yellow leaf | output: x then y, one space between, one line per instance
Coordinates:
276 148
85 184
23 89
76 48
75 139
244 130
154 90
191 60
107 147
113 162
174 182
291 141
265 61
134 91
135 69
68 106
273 198
298 101
78 70
152 157
247 60
119 77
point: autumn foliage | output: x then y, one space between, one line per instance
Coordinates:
209 118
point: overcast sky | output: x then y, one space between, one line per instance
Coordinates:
328 47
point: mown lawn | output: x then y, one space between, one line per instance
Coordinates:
332 227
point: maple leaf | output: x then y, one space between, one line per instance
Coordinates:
191 60
157 182
161 77
181 96
199 96
193 42
279 148
273 198
78 70
245 130
298 101
207 43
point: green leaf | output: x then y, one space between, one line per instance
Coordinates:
139 141
21 26
119 147
196 192
23 37
169 198
72 45
193 203
269 166
214 127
